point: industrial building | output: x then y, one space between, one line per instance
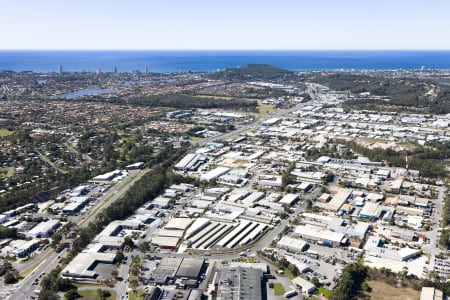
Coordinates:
21 248
75 205
160 202
154 293
214 174
190 162
237 283
79 191
185 269
291 244
110 176
375 247
217 235
44 229
307 287
370 211
320 234
190 268
83 265
289 200
339 199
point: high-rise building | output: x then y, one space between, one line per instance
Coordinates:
115 70
146 70
60 69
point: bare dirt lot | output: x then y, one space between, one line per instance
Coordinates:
384 291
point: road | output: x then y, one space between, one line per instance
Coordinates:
50 163
26 286
69 146
432 248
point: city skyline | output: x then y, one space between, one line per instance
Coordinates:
232 25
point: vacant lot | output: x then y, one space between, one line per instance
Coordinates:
5 132
384 291
278 289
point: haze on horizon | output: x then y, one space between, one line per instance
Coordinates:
225 25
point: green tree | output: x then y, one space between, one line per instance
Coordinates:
48 295
11 277
119 257
316 282
72 294
103 294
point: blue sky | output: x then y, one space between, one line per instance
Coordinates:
226 24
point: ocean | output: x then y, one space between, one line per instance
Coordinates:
208 61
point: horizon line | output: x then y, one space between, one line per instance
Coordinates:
231 50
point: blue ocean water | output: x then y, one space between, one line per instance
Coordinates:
196 61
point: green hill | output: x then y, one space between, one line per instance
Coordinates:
252 72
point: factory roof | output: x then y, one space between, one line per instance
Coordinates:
178 223
79 266
190 268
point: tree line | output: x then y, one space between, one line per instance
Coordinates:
429 160
182 101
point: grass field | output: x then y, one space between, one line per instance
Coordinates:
384 291
278 289
196 139
3 172
140 295
265 109
5 132
93 295
325 292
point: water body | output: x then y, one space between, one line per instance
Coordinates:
85 92
201 61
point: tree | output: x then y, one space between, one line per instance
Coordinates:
119 257
128 242
72 294
316 282
103 294
293 269
353 275
10 277
444 239
114 273
48 295
145 246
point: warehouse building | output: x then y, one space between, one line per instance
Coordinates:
307 287
190 162
214 174
44 229
83 265
320 234
289 200
237 283
190 268
75 205
291 244
186 269
21 248
339 199
370 211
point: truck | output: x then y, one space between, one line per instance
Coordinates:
290 293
